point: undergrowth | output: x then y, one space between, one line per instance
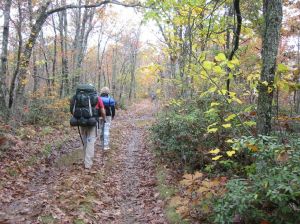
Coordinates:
234 177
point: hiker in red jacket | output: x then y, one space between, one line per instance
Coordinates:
87 107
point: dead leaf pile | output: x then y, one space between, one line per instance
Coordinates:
195 191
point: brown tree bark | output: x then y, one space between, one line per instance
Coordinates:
63 31
3 63
272 12
133 61
25 59
19 51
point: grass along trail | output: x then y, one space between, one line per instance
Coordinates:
120 187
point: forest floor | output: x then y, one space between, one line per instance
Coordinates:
42 179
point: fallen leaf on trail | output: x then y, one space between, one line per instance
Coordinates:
183 211
202 189
283 157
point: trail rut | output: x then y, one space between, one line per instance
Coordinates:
120 187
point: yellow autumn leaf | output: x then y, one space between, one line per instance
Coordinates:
265 83
215 151
230 153
24 81
208 65
229 141
237 100
217 158
214 104
203 74
253 148
212 130
270 89
221 39
226 125
230 65
230 117
217 69
220 57
235 61
212 89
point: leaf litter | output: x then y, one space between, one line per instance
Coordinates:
39 183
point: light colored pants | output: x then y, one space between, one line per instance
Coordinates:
104 132
89 138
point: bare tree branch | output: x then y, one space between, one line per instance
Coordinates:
72 6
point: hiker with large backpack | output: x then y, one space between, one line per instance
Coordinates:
87 107
110 111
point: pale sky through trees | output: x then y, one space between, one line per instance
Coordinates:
124 17
129 18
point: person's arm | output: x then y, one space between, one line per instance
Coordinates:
72 102
102 113
101 108
112 107
113 112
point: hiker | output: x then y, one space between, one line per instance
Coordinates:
87 107
153 96
110 111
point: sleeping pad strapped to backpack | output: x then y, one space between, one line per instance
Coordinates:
83 105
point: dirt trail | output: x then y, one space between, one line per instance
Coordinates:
120 187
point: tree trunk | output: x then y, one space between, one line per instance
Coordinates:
134 54
272 12
64 88
35 75
49 81
54 54
3 64
25 58
17 67
236 39
43 14
112 85
297 92
100 60
66 58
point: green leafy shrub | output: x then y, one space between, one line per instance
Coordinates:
181 131
47 110
272 190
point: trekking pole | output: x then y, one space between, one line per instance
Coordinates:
80 135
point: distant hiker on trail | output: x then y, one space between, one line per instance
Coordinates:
87 107
153 96
110 112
